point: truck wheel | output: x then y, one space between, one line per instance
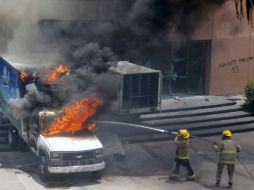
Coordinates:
43 168
97 175
13 137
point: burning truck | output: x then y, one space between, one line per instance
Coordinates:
52 133
61 135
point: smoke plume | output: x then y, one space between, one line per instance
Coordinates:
94 58
23 107
139 35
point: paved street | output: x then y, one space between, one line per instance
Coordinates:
146 166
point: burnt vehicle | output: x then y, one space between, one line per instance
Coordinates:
57 154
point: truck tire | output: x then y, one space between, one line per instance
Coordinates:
43 168
97 175
13 138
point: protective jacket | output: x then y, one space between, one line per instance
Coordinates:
182 148
227 151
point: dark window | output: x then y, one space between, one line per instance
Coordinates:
144 82
135 85
187 66
126 91
140 90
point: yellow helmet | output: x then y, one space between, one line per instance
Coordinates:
227 133
184 133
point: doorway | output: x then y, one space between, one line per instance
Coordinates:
187 68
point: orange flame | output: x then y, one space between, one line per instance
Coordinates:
54 73
23 75
74 117
91 126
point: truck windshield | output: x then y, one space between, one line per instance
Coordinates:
46 121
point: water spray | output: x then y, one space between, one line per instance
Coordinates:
135 125
150 128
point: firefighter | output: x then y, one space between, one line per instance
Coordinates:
227 149
182 155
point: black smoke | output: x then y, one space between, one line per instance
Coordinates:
140 37
89 48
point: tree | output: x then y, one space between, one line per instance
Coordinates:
249 9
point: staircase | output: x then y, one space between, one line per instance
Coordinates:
4 128
201 120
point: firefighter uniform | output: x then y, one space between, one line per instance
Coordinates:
227 152
182 155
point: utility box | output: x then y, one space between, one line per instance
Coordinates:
140 88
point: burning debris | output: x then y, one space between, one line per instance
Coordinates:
45 91
75 116
55 73
23 75
91 126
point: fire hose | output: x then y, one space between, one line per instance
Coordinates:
151 128
173 133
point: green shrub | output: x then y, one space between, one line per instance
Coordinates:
249 93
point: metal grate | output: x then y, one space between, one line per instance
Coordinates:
78 156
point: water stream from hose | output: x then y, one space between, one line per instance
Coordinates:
132 125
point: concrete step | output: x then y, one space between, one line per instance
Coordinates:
208 124
190 113
134 131
198 119
126 130
2 132
4 140
4 135
3 125
201 133
217 131
5 121
4 147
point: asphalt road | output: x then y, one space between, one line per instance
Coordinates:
146 167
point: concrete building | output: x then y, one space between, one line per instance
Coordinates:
216 58
84 10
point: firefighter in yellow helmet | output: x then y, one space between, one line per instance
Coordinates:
227 149
182 155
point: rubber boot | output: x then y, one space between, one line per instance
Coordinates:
175 177
191 178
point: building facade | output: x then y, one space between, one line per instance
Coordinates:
216 58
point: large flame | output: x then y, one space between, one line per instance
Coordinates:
55 72
75 116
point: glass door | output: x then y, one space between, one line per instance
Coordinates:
187 66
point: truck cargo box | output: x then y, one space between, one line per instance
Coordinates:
10 87
139 88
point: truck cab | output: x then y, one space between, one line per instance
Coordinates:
62 154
